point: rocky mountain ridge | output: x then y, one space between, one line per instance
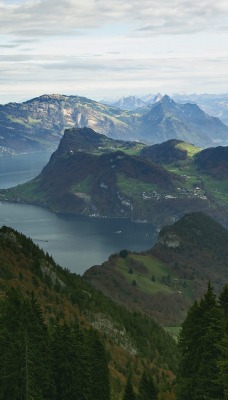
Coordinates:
40 123
170 120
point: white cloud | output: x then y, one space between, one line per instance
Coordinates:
125 46
151 16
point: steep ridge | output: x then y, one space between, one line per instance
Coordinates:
31 277
170 120
168 152
40 122
213 104
164 281
77 180
93 175
214 162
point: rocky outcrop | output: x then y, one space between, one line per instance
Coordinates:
40 123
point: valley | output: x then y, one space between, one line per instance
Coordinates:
113 200
151 215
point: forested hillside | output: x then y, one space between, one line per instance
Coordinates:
164 281
90 174
203 343
67 339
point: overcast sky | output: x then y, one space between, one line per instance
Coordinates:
99 48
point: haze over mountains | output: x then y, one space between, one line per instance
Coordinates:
39 123
213 104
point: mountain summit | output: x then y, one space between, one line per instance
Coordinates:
91 174
170 120
129 103
40 122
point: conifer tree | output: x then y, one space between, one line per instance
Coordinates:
99 369
129 391
147 390
65 363
200 339
223 360
25 371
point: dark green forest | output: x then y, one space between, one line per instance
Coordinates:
203 343
62 339
37 363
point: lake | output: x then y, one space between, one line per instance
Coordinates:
75 242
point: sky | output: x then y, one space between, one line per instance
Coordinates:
112 48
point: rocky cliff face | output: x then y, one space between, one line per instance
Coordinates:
40 122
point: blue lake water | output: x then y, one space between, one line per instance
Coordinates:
75 242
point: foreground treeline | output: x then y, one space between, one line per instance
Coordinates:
203 370
37 363
67 363
32 342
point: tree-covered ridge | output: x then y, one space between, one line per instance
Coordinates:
213 162
168 152
203 343
164 281
116 178
132 342
196 247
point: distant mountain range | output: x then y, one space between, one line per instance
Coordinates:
39 123
169 120
129 103
215 105
91 174
163 281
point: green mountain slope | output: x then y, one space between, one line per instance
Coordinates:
213 162
91 174
132 341
92 177
165 280
169 152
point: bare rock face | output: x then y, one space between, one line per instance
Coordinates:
169 240
40 123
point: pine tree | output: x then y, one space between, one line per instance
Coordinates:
223 359
129 391
99 369
24 364
65 363
147 390
200 338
